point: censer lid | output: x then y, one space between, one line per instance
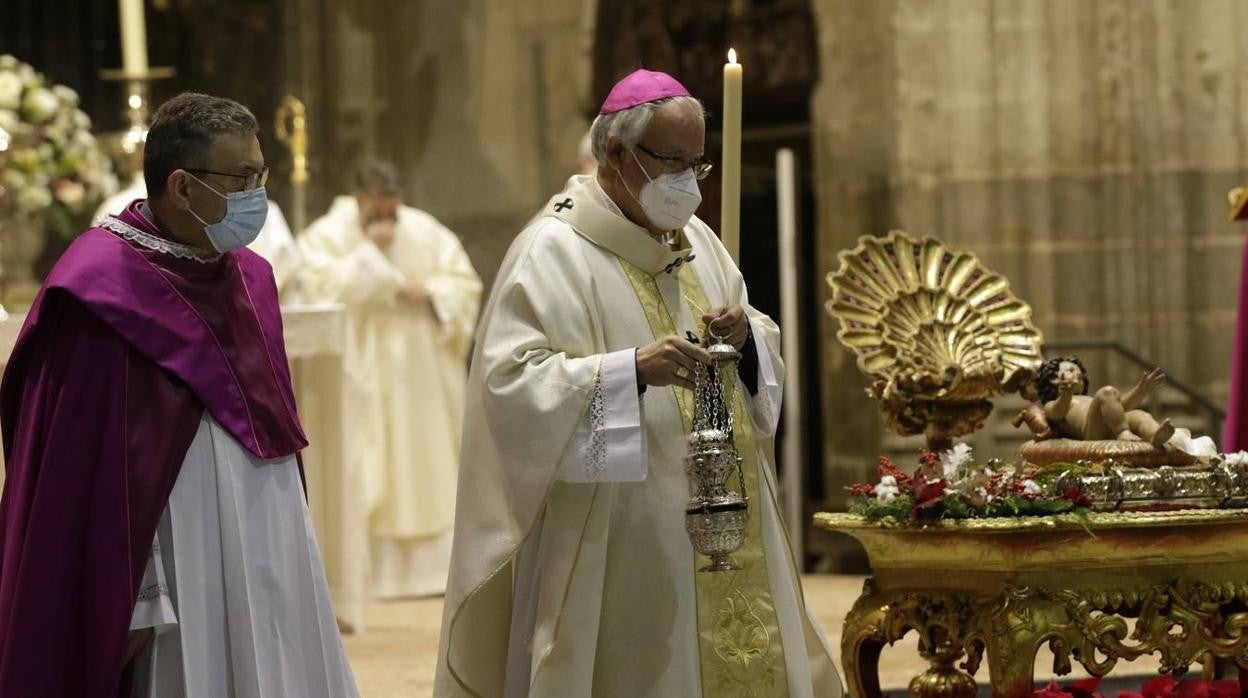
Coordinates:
722 351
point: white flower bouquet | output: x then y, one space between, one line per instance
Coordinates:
51 167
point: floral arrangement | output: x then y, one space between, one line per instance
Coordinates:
951 485
54 169
1163 686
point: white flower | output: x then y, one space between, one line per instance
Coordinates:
887 490
27 74
983 492
70 193
10 90
39 105
12 179
8 61
1030 488
66 95
84 140
108 184
34 198
81 120
954 459
55 134
9 120
1237 459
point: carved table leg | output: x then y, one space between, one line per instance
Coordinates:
1012 675
1015 630
943 679
860 648
943 621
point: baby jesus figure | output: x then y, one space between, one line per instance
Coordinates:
1065 409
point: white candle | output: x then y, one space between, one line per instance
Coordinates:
790 347
730 202
133 37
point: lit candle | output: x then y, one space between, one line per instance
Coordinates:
133 37
730 168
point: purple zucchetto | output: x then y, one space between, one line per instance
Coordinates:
642 86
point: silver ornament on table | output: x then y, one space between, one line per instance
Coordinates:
716 516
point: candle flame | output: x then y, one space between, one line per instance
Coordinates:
732 55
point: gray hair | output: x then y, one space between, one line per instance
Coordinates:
629 125
183 131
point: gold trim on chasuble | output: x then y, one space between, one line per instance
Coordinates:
738 633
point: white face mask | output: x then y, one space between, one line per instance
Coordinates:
668 200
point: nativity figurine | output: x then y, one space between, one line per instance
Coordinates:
1061 389
1069 424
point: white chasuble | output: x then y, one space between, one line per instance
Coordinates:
406 368
572 573
235 588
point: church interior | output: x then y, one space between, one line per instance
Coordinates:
1066 174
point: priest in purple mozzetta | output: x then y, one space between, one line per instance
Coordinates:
154 537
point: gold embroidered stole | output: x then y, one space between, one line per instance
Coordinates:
738 633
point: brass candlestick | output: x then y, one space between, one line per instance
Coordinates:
292 129
125 147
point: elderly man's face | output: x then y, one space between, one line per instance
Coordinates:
675 139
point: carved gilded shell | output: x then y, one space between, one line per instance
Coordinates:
929 323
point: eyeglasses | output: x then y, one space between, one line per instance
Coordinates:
701 167
251 180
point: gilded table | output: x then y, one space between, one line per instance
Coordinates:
1001 588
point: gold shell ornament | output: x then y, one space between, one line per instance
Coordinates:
935 330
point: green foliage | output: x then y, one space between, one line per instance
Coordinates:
956 506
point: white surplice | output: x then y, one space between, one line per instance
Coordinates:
406 367
572 573
275 242
235 588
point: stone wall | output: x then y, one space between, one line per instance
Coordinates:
479 102
1083 148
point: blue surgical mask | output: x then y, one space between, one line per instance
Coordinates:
245 212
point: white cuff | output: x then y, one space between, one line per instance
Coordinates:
437 301
154 607
610 444
373 277
765 405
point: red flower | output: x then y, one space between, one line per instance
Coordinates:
929 462
887 467
926 495
1079 689
1197 688
862 489
1052 691
1165 686
1086 688
1078 498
